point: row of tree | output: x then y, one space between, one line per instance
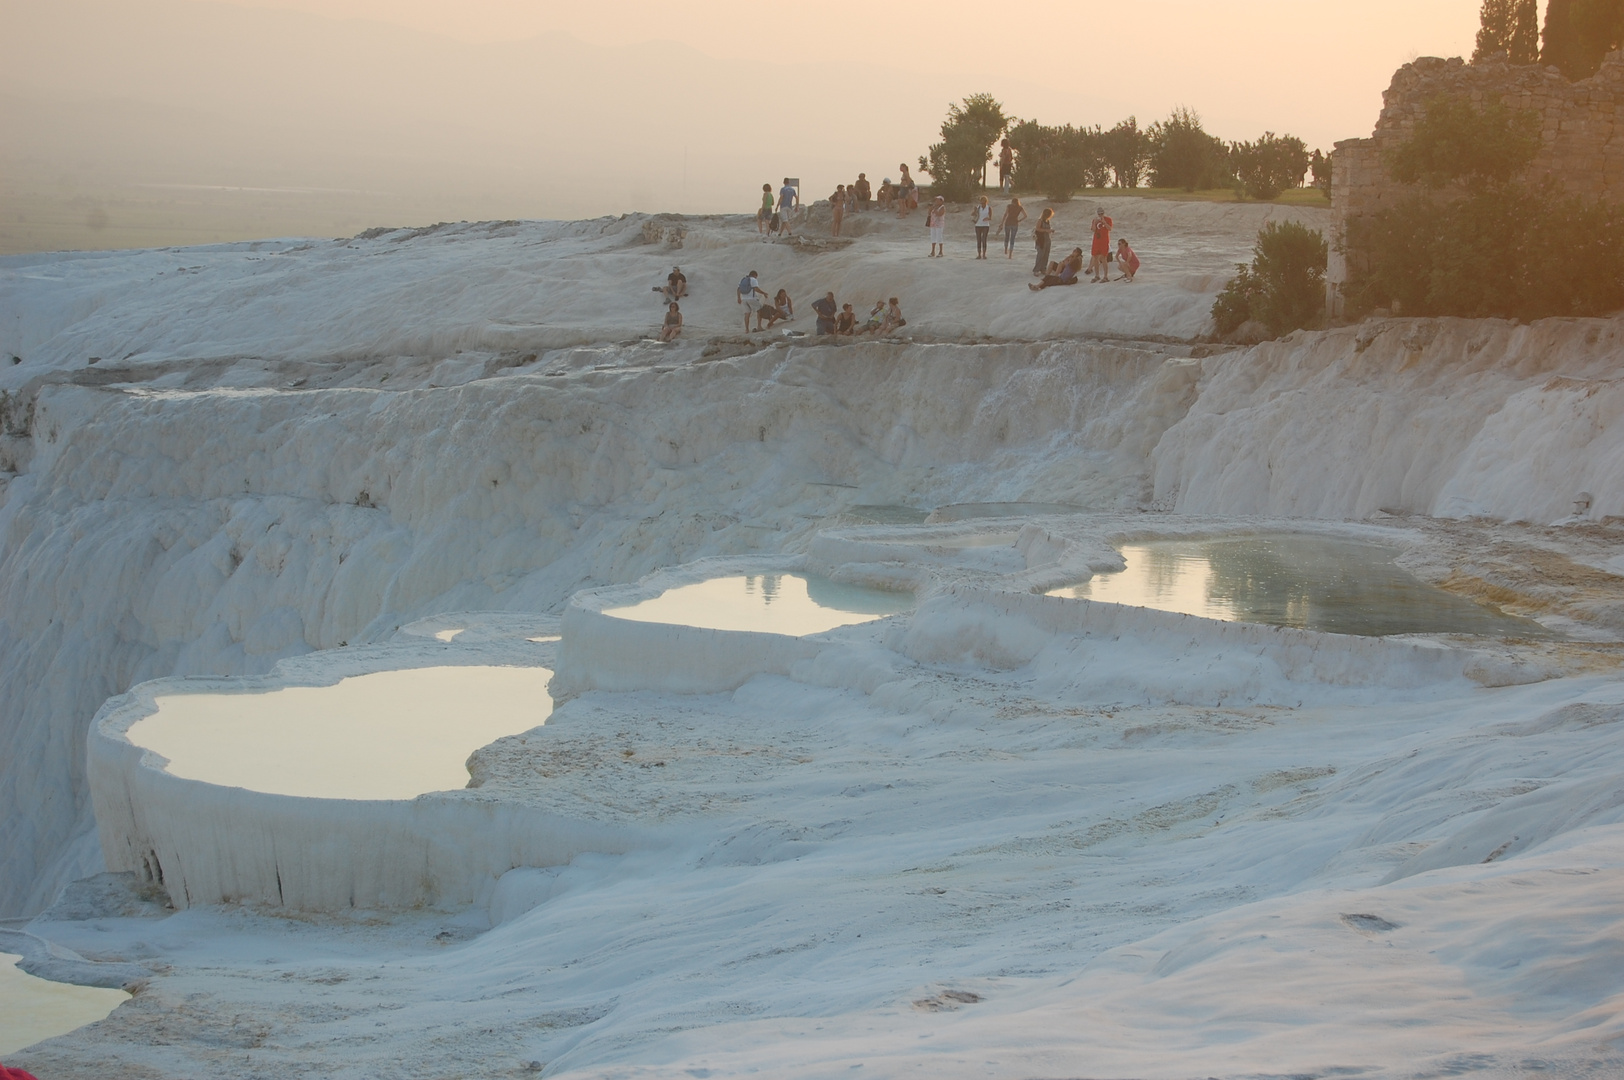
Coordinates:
1056 161
1578 34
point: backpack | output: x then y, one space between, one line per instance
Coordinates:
747 285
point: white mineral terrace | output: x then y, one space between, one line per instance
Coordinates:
1166 710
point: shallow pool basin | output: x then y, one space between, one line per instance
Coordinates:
1328 584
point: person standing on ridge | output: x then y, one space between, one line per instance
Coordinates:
1006 166
837 209
908 200
936 218
1099 263
865 192
749 289
1014 214
1042 234
827 312
788 200
981 217
764 214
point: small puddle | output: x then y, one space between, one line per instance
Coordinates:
1309 582
32 1009
390 735
979 511
889 514
793 604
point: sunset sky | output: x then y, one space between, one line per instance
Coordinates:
524 108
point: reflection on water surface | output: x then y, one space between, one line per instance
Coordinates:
1310 582
390 735
32 1009
793 604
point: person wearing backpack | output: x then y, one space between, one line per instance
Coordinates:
749 289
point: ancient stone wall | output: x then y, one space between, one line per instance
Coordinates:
1582 127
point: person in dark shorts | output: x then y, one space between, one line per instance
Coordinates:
676 285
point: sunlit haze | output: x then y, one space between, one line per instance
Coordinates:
351 113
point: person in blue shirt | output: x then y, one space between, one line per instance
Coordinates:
1067 275
788 200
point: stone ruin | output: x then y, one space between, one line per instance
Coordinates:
1582 128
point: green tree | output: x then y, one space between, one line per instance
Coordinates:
1457 142
1580 33
1319 167
1126 150
1284 288
1057 161
1511 27
1271 165
1184 156
958 164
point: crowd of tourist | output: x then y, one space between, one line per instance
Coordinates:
831 316
780 212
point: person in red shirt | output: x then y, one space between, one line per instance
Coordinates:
1127 261
1099 265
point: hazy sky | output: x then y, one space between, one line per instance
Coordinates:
1316 67
528 108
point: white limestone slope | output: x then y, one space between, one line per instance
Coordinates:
1448 417
281 448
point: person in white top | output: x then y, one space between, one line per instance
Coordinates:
749 289
981 215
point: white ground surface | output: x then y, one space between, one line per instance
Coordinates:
1032 855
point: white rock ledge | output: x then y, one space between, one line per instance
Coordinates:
209 844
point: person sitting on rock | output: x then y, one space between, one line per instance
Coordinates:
893 317
875 320
1127 261
785 306
847 323
1065 274
673 322
887 195
676 285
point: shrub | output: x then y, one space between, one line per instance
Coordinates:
1479 243
1184 156
1270 165
1458 143
1284 288
1507 251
